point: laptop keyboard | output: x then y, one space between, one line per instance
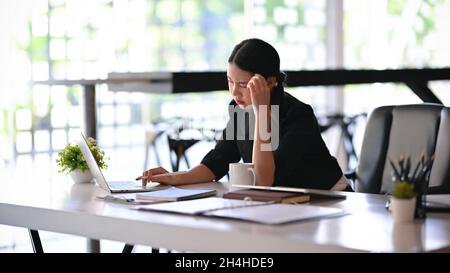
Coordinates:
124 185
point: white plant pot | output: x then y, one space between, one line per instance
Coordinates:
81 177
403 209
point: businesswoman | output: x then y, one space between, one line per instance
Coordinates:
297 155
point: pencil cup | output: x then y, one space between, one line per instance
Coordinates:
242 174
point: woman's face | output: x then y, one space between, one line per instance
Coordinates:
237 84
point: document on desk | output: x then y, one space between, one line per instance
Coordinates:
259 212
175 194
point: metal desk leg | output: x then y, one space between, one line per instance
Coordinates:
35 241
89 111
90 130
127 248
93 246
155 250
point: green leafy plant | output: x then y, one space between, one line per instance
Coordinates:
70 158
403 190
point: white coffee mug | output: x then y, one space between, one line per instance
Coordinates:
242 174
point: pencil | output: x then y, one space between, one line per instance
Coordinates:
422 181
394 169
407 167
400 164
413 175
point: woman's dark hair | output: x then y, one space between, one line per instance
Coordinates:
256 56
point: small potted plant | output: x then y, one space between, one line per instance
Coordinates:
71 161
408 194
403 201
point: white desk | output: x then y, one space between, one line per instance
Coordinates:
73 209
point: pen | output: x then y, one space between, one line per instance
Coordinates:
141 177
160 175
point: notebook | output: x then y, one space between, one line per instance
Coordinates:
266 196
175 194
314 194
437 202
258 212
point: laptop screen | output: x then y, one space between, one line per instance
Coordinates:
90 160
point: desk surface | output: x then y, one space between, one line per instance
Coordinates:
74 209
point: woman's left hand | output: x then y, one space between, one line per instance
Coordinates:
259 91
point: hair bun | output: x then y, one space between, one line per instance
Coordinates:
281 77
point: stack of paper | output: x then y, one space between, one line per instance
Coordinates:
175 194
266 196
260 212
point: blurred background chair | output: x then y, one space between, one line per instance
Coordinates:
151 136
347 127
181 134
404 130
185 138
178 148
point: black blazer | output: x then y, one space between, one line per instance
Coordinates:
301 159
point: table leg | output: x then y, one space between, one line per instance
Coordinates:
90 130
89 111
93 246
36 241
127 248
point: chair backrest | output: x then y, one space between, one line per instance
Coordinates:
408 130
440 172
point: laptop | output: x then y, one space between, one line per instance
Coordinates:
112 186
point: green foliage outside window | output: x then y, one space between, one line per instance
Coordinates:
426 16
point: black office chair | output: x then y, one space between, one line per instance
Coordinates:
408 130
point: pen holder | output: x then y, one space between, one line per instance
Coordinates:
421 186
412 182
420 212
402 209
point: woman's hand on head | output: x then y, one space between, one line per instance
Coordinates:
259 91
